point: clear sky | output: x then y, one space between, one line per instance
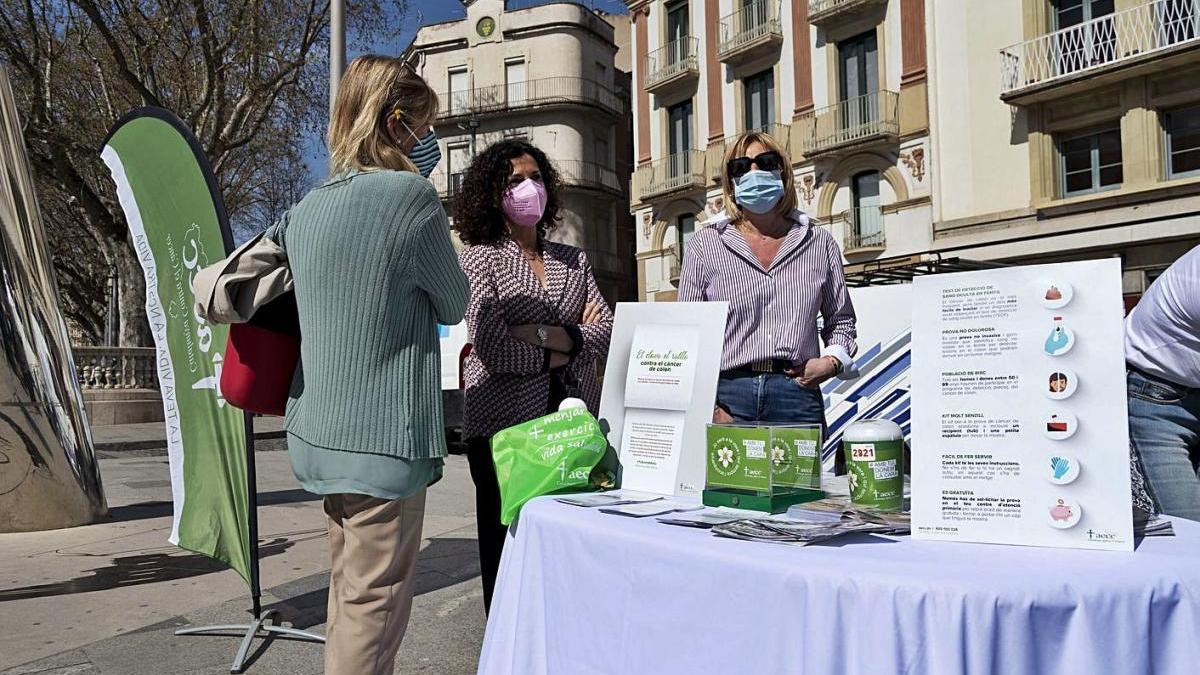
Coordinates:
421 12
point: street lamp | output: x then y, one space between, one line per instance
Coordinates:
471 126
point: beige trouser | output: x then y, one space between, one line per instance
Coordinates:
374 545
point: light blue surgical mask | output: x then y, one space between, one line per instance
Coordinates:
758 191
426 153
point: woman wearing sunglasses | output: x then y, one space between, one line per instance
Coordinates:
778 272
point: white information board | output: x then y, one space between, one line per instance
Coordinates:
451 340
660 383
1020 433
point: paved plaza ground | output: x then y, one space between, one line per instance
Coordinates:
105 599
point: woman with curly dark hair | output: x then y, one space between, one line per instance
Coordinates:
537 321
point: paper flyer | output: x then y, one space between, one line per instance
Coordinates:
1020 431
662 367
652 443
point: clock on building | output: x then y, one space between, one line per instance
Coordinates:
485 27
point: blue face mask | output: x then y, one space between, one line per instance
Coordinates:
758 191
426 153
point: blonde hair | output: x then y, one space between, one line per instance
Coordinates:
738 149
373 89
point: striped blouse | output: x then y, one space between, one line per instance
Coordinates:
773 312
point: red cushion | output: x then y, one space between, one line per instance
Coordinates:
258 369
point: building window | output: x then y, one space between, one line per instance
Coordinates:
677 21
602 73
679 128
460 90
603 232
678 31
858 66
685 228
1091 162
866 218
514 79
600 152
759 104
1183 142
1068 13
458 161
1086 34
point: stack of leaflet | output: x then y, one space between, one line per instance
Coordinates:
839 510
779 531
1151 525
630 503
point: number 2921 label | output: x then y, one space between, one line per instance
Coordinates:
862 452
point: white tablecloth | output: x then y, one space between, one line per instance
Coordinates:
581 593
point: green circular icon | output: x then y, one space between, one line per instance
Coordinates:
725 457
485 27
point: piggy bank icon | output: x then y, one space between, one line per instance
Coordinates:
1061 512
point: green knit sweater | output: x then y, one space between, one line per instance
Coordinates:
375 272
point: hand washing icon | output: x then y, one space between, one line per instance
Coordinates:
1061 466
1064 469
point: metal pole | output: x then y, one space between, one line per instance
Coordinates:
252 503
111 325
337 47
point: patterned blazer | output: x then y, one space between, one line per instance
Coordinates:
506 379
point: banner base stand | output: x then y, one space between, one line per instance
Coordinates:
261 627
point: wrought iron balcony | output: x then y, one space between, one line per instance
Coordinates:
716 161
864 230
681 171
1107 44
521 96
588 174
751 29
673 64
780 132
826 12
864 119
571 172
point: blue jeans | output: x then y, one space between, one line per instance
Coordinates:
1164 429
775 397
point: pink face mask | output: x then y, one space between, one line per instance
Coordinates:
525 203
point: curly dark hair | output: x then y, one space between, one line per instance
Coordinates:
478 218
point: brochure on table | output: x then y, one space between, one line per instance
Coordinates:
1020 432
659 386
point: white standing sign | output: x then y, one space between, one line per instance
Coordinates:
659 387
451 341
1020 431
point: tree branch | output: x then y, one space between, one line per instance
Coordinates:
118 56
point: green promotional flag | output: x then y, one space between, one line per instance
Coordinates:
178 225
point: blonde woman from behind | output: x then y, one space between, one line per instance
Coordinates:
375 272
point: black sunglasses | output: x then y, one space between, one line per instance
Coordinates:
767 161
